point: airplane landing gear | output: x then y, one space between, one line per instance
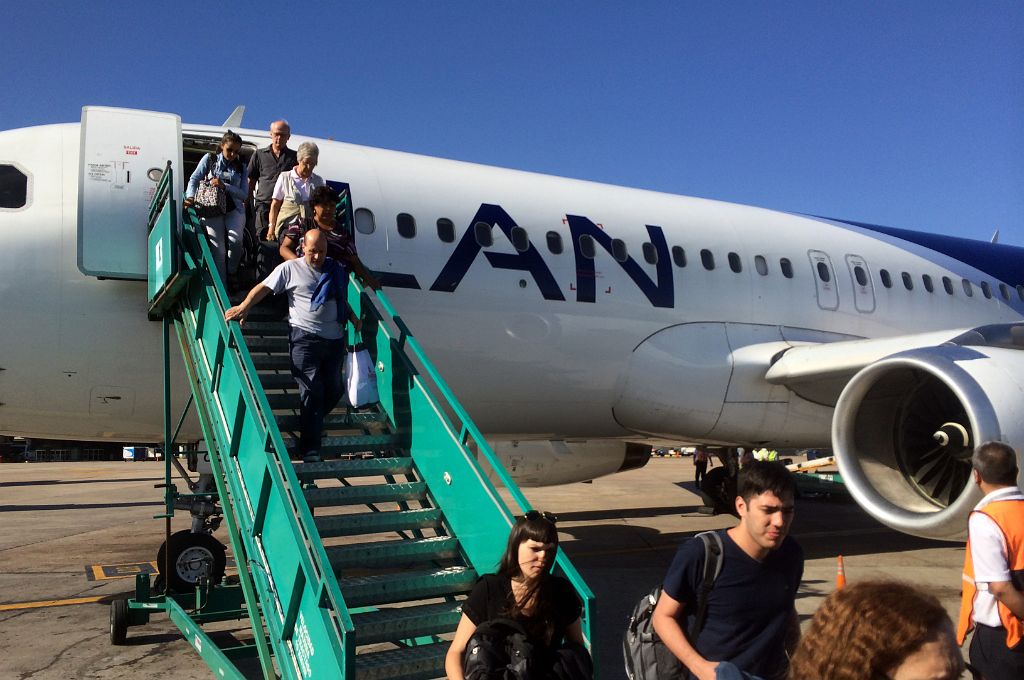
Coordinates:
718 488
193 558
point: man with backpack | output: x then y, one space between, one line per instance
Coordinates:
745 615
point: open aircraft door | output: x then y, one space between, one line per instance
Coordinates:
123 155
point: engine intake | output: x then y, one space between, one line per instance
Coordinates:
905 427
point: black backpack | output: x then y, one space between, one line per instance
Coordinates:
499 650
645 655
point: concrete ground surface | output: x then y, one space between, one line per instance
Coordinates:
57 519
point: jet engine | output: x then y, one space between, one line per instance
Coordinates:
905 427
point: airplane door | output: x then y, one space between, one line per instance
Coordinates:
863 291
123 154
824 279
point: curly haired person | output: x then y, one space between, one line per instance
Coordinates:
873 630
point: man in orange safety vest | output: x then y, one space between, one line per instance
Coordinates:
993 579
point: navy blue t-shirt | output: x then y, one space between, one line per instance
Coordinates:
749 608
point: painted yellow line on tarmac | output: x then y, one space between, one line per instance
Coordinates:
40 604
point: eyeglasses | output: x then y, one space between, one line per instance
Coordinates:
534 515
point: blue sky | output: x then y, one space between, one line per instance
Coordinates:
908 114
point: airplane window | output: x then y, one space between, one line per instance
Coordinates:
13 187
1020 293
860 275
908 282
928 283
947 284
823 272
886 279
446 230
679 256
587 246
406 225
707 258
555 242
520 239
1004 291
734 263
786 266
484 236
967 288
650 253
364 221
761 265
619 249
986 290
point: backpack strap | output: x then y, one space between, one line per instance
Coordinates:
713 558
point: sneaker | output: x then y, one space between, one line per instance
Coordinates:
311 457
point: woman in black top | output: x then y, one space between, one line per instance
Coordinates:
523 590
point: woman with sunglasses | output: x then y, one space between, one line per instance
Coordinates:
524 591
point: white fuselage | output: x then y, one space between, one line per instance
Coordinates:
536 344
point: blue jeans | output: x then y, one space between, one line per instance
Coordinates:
316 367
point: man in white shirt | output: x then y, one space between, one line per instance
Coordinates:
993 578
316 287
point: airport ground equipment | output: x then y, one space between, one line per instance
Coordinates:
353 567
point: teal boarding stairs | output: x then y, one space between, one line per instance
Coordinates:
353 567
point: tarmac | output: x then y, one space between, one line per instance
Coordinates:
72 535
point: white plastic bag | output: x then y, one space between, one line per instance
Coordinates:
360 378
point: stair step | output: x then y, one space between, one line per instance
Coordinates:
266 314
270 328
361 443
378 589
363 495
267 344
283 401
267 362
278 381
393 553
334 420
377 522
365 467
409 663
402 623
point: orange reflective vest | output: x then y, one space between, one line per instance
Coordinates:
1009 517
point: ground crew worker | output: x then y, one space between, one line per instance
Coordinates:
993 579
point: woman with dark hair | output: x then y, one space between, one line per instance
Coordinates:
340 247
524 591
878 630
227 172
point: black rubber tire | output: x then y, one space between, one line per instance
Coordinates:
185 548
719 488
118 622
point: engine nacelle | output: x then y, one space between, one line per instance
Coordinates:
547 462
905 427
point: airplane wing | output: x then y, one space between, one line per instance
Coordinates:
819 372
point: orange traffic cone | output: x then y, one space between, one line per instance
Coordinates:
840 574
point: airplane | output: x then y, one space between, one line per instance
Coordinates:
570 317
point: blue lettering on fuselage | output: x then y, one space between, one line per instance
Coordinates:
465 254
659 292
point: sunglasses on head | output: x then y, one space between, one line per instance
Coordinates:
534 515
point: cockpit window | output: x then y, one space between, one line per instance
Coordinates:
13 187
